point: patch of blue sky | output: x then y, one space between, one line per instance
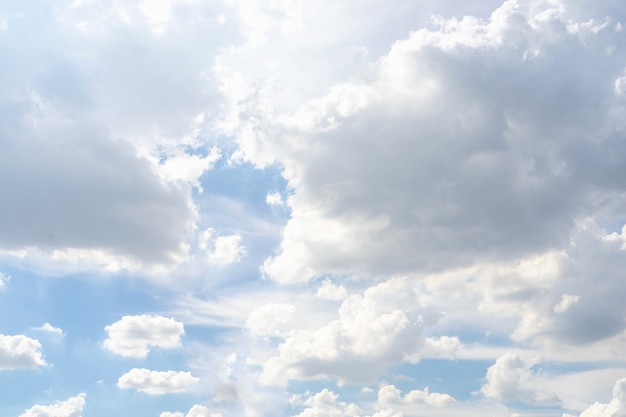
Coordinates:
81 306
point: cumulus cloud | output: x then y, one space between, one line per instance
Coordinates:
330 291
157 382
615 408
375 329
487 143
195 411
270 319
222 250
508 380
135 335
73 407
325 404
20 352
389 395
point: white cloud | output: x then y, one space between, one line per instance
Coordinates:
271 319
221 250
383 326
188 167
20 352
73 407
508 380
195 411
48 328
389 395
330 291
157 382
274 199
325 404
615 408
228 249
135 335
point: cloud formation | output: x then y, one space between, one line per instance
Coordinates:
135 335
72 407
508 380
389 395
450 163
20 352
381 327
615 408
157 382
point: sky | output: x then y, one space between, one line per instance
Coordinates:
400 208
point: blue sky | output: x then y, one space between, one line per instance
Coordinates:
303 209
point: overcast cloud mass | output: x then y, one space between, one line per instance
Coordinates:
293 208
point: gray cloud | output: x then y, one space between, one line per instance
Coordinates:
482 141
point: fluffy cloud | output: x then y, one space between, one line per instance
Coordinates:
134 335
381 327
270 319
157 382
325 404
615 408
330 291
508 380
73 407
20 352
195 411
465 135
222 250
389 395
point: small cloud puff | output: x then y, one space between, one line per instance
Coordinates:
157 382
48 328
330 291
222 250
134 335
274 199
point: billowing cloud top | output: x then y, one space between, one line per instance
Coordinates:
236 208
